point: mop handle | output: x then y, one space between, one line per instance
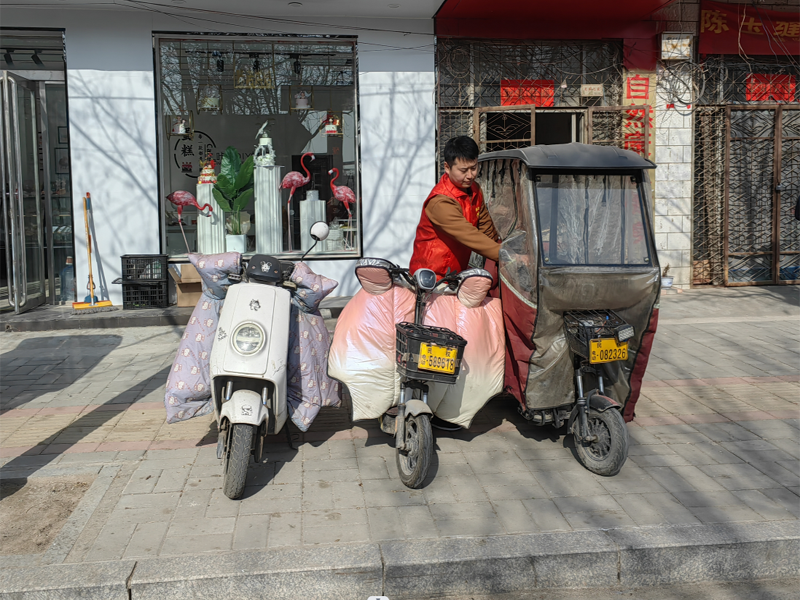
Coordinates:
86 200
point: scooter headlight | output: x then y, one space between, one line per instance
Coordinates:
248 338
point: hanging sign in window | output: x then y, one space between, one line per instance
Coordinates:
539 92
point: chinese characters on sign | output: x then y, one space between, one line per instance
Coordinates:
770 88
637 121
638 88
713 21
187 153
742 28
633 127
539 92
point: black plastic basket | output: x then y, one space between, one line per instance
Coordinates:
585 325
153 294
144 267
409 338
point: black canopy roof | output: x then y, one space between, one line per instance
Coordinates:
573 156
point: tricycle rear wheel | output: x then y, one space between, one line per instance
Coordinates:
609 451
413 463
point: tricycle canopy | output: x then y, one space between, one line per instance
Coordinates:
575 222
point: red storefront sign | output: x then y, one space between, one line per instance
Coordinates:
638 88
770 88
539 92
748 29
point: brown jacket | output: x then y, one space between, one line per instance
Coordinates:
446 214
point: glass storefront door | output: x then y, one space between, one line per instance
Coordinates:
22 283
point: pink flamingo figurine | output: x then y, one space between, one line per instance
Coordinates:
291 181
181 199
342 193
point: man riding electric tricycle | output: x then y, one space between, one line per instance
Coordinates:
579 282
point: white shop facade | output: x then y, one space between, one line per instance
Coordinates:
153 97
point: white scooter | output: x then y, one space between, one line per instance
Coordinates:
249 361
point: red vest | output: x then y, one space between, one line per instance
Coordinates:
433 248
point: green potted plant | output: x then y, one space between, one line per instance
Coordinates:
233 191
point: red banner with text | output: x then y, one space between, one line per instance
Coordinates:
747 29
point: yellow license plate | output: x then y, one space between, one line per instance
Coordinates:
607 350
437 358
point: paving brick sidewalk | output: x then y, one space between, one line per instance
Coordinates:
716 440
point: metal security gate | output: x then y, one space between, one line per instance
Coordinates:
746 171
762 183
708 221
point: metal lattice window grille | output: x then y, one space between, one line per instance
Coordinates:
725 80
470 73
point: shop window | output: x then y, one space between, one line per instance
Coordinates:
289 107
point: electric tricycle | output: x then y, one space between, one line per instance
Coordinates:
579 281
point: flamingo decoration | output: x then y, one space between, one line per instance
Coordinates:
181 199
342 193
291 181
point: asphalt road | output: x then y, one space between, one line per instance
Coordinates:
773 589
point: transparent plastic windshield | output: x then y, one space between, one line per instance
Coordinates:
591 219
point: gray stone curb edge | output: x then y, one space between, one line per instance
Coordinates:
432 569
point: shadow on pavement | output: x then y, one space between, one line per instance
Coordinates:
84 358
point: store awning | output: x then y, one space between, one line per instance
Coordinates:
527 19
628 20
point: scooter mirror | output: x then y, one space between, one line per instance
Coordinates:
426 279
320 231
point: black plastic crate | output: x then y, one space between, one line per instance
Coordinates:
153 294
144 267
409 338
585 325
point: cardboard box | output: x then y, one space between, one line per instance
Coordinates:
188 284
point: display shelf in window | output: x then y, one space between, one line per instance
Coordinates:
209 98
181 126
301 97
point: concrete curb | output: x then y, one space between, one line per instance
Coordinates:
105 580
432 569
326 572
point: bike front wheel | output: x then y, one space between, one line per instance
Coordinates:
609 450
413 462
237 458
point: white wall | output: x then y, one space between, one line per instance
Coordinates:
112 116
673 199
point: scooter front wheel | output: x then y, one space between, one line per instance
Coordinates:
413 462
237 458
609 450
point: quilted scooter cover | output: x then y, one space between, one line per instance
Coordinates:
362 354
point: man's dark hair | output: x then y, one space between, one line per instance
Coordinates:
461 147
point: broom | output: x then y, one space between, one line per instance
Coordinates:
90 304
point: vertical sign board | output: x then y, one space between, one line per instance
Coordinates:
639 93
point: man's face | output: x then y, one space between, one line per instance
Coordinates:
462 172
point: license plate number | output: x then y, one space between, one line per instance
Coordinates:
441 359
607 350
